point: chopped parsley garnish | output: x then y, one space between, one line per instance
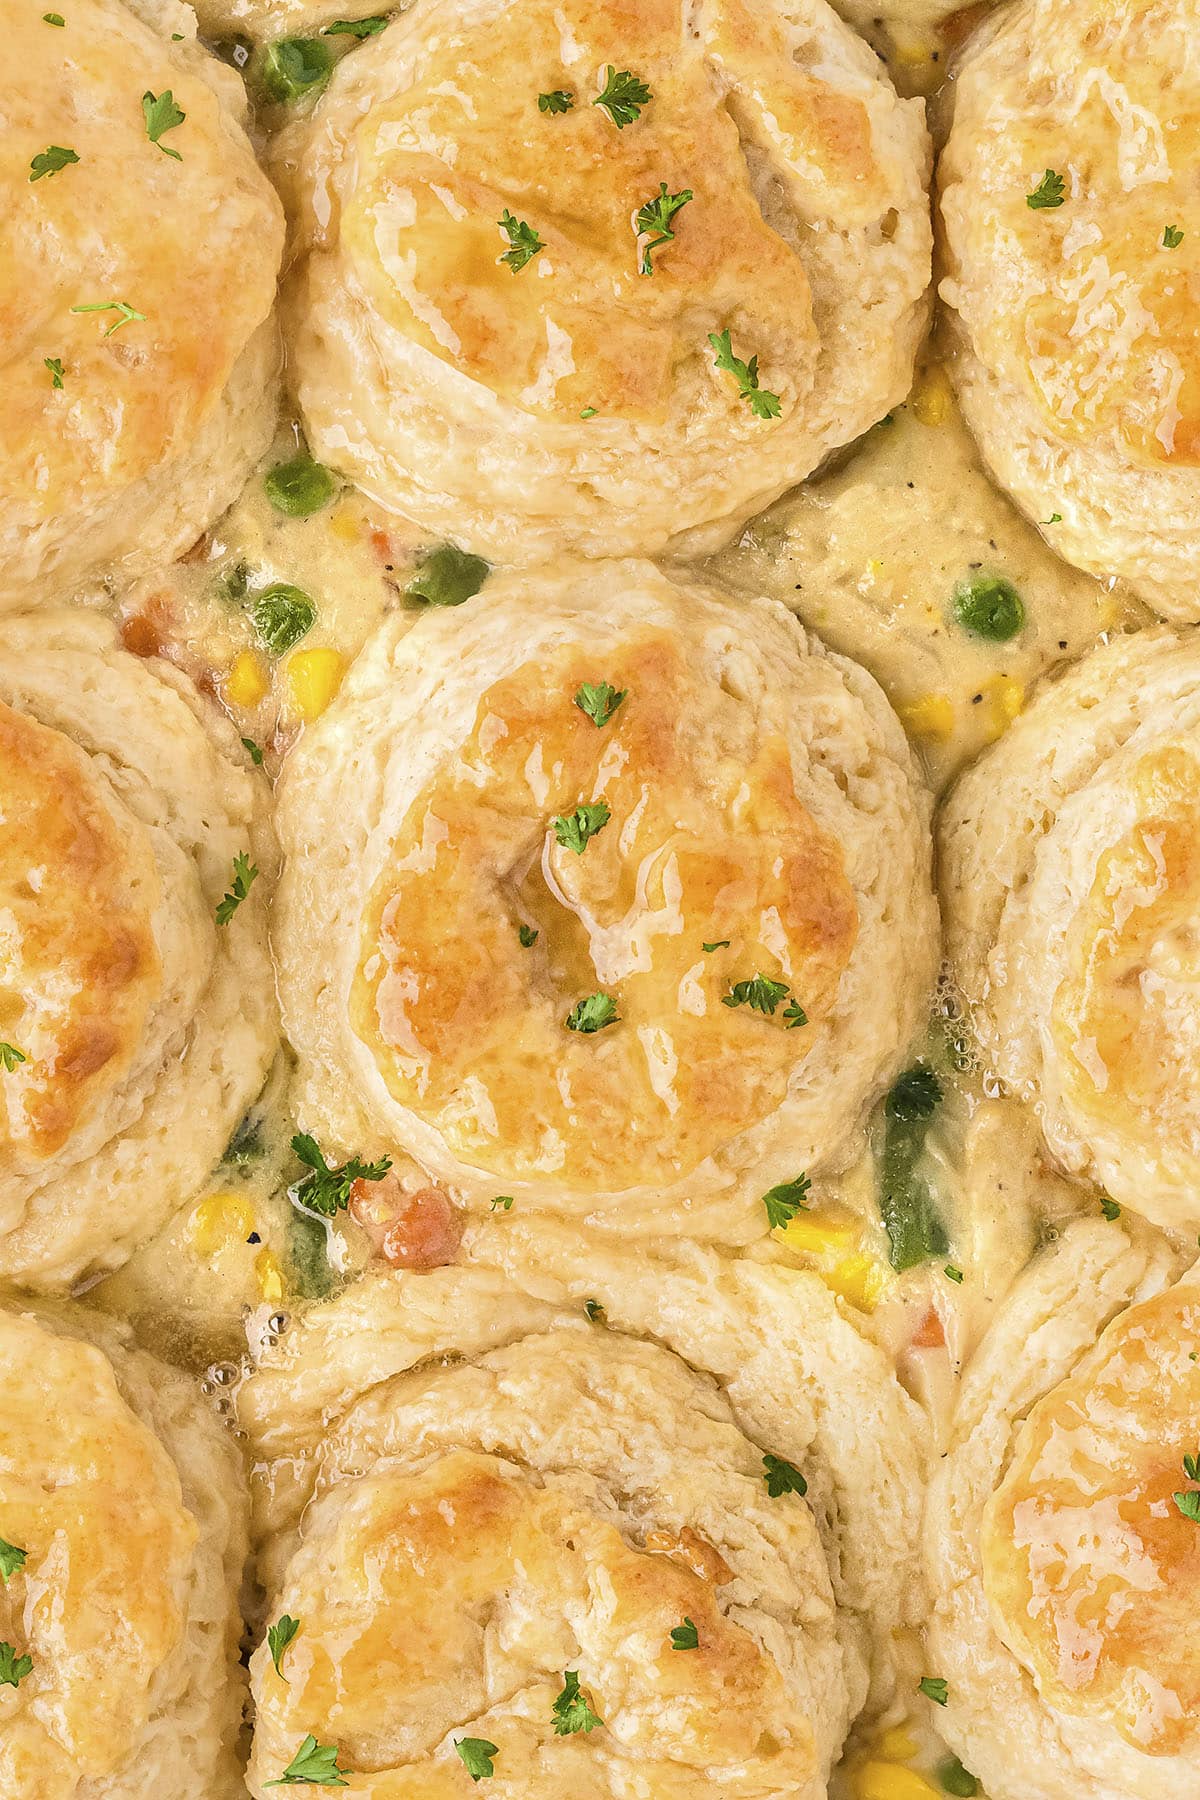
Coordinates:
558 100
782 1477
1188 1502
915 1095
447 577
654 220
953 1274
477 1755
935 1688
244 875
762 404
128 314
314 1764
53 19
524 242
293 67
10 1056
599 701
56 370
299 487
594 1310
12 1560
593 1014
622 96
588 412
1172 237
1054 519
50 160
910 1216
989 607
13 1668
528 936
253 752
760 994
282 615
1047 194
785 1200
326 1190
795 1015
956 1780
717 944
359 28
685 1636
503 1201
1109 1208
575 830
279 1636
571 1711
161 114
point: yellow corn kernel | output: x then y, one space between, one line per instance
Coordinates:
931 716
891 1781
245 680
345 523
895 1745
819 1233
932 400
860 1279
833 1238
268 1275
910 51
1005 699
221 1220
313 678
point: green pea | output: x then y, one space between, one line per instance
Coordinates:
299 487
989 607
447 577
282 615
293 67
955 1779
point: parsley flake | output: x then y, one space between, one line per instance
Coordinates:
782 1477
315 1764
685 1636
914 1095
558 100
56 370
935 1688
599 701
785 1200
953 1274
327 1189
53 19
294 67
717 944
1047 194
593 1014
1172 237
161 114
588 412
622 96
10 1056
476 1755
253 752
594 1310
524 245
13 1668
795 1015
357 28
653 220
760 994
244 875
1109 1208
528 936
1189 1501
1054 519
762 404
575 830
448 576
571 1711
12 1561
50 160
128 314
502 1200
279 1636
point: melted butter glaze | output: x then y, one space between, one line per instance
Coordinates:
579 326
79 968
1089 1565
458 1013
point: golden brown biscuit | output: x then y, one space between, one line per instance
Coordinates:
1062 1541
137 357
716 981
564 396
1073 259
134 1026
459 1543
1070 882
122 1544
